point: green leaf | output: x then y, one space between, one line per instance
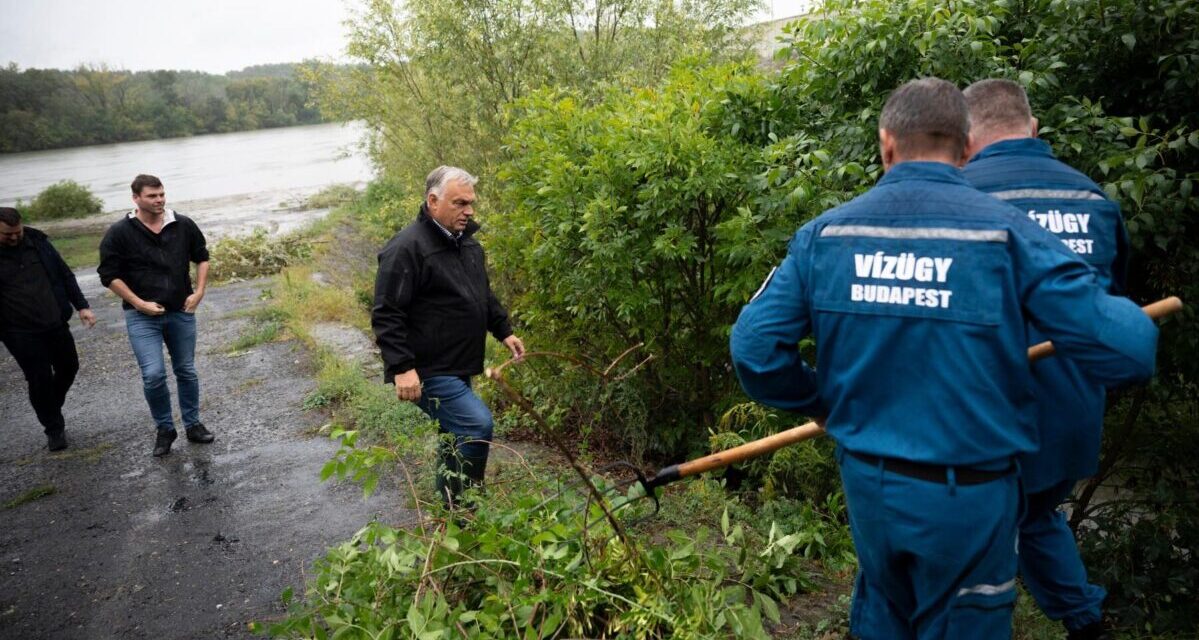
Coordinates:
1129 40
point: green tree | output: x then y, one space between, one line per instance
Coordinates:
436 75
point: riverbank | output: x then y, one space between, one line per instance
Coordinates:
278 212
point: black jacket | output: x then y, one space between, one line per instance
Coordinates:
433 302
62 279
155 267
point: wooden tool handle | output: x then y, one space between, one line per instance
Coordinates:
746 451
757 448
1155 310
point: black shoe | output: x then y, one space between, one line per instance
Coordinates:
57 441
198 433
162 444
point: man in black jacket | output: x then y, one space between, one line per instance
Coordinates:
144 259
37 292
433 309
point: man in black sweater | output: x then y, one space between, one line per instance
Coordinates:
37 292
144 259
433 308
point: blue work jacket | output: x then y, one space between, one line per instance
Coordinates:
1069 405
917 293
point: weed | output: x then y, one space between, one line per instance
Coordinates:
332 196
36 493
255 255
86 455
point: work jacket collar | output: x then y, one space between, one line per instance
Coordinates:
442 232
1015 147
921 170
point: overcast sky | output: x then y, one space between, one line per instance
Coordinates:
205 35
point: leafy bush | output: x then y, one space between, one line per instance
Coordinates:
537 561
66 199
256 254
387 206
806 470
612 216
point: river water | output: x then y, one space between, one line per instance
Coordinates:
197 168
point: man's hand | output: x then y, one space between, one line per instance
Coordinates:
515 346
408 385
193 301
87 318
149 308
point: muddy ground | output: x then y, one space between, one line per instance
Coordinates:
193 545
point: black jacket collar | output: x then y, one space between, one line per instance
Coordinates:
439 231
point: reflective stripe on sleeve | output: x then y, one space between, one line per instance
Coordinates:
1047 194
988 589
915 233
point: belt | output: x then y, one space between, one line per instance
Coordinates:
935 472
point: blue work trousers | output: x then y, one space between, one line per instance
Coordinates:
450 401
147 335
1051 566
935 560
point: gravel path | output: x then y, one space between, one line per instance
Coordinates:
193 545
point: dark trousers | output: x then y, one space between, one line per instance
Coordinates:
50 363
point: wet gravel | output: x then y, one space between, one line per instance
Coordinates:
193 545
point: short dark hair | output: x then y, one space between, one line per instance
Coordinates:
10 216
997 105
142 181
927 115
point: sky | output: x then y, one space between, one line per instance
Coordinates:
203 35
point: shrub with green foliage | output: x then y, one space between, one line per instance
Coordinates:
610 235
652 216
537 560
66 199
256 254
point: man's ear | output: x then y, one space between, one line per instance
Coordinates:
430 199
886 148
967 150
1034 126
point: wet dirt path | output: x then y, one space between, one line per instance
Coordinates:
193 545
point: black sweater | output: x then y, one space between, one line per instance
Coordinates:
433 302
62 280
155 267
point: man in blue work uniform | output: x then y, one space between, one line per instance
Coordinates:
1010 163
918 293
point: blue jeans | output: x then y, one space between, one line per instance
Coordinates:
935 560
450 401
1050 564
177 330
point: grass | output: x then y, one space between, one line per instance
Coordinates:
36 493
88 455
79 248
266 325
332 196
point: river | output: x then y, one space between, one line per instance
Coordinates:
197 168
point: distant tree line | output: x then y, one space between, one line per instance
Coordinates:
52 108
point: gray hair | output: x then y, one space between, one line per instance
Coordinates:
926 115
443 175
998 106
